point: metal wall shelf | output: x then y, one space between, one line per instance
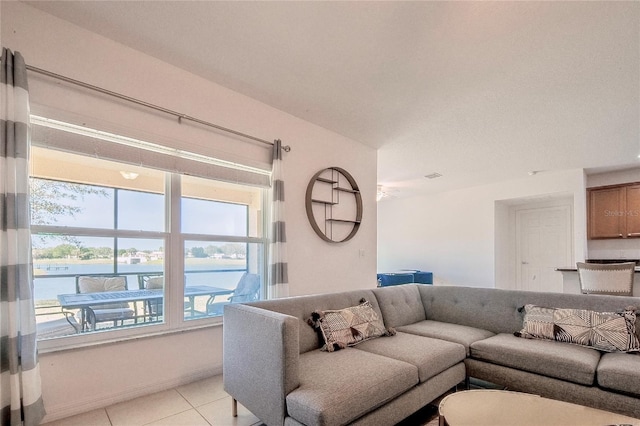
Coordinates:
341 183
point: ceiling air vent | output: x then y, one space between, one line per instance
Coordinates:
433 175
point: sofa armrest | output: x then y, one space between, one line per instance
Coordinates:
260 359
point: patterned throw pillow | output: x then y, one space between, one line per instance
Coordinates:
604 331
348 327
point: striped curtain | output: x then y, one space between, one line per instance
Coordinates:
20 390
279 283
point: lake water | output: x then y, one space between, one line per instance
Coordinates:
47 287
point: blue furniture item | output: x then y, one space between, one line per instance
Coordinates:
385 280
423 277
396 278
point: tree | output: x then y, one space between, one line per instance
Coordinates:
86 253
63 251
234 249
198 252
52 199
103 252
211 250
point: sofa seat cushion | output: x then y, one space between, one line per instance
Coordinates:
338 387
563 361
456 333
431 356
620 372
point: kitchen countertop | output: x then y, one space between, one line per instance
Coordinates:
574 269
602 261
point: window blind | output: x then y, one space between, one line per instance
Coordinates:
62 136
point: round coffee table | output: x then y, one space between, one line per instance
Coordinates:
497 407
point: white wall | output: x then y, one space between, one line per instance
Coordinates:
627 248
81 379
458 235
613 178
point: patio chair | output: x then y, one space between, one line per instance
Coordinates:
59 327
155 281
117 311
613 278
152 281
247 290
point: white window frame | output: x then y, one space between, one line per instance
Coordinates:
174 241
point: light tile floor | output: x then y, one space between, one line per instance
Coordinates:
202 403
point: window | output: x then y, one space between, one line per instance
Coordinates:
122 250
222 242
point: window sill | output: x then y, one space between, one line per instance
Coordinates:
81 341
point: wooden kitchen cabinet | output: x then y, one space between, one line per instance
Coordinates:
633 211
614 211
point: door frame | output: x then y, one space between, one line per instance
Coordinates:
567 210
505 231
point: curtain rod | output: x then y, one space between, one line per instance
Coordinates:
180 116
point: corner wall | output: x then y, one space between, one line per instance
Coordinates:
462 236
86 378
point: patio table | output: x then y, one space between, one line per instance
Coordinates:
83 301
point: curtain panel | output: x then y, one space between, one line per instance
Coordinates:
279 283
20 388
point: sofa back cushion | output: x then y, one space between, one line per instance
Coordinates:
400 305
301 307
497 310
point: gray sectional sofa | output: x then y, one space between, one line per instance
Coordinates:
444 335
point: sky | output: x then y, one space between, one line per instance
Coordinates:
140 211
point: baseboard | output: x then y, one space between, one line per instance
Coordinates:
75 406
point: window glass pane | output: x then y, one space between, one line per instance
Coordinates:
138 254
214 270
79 191
142 262
140 211
55 255
213 217
57 260
65 265
61 203
217 208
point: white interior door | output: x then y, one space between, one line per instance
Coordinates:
544 243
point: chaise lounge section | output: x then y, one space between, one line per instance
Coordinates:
273 364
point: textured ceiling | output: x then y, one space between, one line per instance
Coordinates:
477 91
